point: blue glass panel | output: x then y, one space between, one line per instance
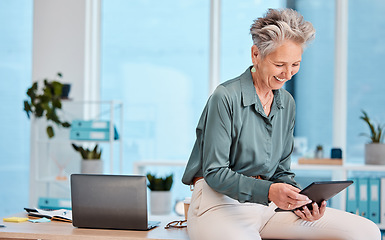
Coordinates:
237 17
155 59
314 83
15 75
366 80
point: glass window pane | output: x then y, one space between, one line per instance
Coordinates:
314 82
155 59
15 75
366 83
236 19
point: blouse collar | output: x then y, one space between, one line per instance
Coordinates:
249 94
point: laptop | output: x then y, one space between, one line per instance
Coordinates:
110 201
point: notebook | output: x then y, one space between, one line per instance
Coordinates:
110 201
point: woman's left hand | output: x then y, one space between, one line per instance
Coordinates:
313 215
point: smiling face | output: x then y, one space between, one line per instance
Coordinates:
278 67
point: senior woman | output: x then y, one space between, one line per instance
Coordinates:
240 163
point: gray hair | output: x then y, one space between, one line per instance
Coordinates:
276 26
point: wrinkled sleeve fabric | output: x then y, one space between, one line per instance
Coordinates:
283 173
217 140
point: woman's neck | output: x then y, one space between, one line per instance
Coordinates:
262 89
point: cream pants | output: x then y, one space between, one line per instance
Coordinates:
214 216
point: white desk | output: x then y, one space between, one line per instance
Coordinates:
61 230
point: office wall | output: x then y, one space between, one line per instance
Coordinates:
58 42
64 33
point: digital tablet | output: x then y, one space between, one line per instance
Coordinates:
320 191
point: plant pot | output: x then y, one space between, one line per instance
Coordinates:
375 154
319 153
65 91
160 202
91 166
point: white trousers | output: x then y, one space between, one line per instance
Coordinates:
214 216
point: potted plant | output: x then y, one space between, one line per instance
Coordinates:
319 152
91 159
375 149
46 102
160 196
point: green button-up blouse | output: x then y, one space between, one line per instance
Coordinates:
236 140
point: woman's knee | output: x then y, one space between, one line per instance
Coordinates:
363 229
371 230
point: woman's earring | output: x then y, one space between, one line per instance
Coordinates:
253 70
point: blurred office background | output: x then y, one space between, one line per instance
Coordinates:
155 58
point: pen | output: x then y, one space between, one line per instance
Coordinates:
2 225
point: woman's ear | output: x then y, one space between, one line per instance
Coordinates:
254 54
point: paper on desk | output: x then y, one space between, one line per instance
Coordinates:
40 220
15 219
61 214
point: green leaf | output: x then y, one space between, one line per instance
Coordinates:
27 108
66 124
75 147
47 92
39 111
57 88
158 183
56 103
50 132
376 135
45 102
86 153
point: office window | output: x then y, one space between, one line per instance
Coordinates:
366 80
236 43
15 75
314 83
312 87
155 59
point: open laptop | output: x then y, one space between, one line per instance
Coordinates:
110 201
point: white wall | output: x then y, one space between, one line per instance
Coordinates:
65 39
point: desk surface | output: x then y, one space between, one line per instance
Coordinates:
61 230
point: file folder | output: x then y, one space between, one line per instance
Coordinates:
54 203
363 197
374 199
90 124
92 130
92 135
351 197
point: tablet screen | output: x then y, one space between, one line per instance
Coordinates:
320 191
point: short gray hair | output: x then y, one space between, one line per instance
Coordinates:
276 26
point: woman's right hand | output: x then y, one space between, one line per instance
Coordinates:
286 196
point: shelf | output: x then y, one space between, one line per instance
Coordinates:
320 161
346 167
53 179
51 157
140 165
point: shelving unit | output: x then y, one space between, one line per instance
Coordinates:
54 160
